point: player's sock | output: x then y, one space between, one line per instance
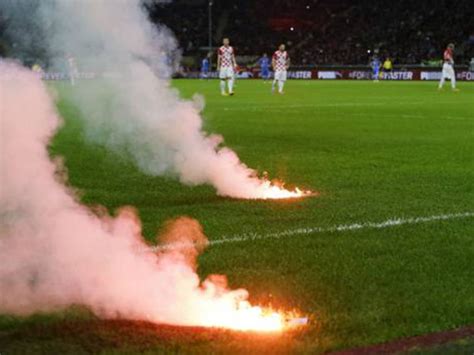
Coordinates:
222 87
273 85
231 85
441 83
280 86
453 82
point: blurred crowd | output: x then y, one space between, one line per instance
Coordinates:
316 32
321 32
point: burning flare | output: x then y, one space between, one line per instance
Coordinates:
215 305
269 190
266 189
246 317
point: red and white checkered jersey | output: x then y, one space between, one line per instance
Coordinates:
226 54
281 60
448 55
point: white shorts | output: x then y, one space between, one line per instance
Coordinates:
448 71
280 75
226 73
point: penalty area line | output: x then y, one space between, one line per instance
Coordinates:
392 222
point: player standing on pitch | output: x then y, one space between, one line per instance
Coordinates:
225 65
264 64
375 65
448 68
205 67
280 64
73 72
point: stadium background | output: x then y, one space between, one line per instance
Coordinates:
326 39
324 34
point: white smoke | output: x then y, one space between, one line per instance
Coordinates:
137 114
54 252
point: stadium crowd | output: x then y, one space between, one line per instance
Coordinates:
326 31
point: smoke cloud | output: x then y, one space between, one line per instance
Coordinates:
55 252
133 111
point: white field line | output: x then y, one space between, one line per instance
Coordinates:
339 104
398 221
459 117
413 116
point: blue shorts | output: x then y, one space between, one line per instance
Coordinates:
265 73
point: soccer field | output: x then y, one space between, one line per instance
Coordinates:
384 251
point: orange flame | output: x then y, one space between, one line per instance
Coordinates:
211 303
276 190
245 317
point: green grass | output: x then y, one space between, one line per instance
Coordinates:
372 151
